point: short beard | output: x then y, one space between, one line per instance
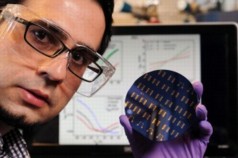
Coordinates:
15 121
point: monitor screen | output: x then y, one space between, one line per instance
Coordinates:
200 52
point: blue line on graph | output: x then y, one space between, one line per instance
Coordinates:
94 116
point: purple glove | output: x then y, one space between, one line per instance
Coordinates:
189 146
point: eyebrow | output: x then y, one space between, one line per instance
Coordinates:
59 31
62 34
84 44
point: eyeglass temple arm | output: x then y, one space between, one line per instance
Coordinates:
9 15
94 69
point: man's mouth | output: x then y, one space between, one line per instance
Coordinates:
34 97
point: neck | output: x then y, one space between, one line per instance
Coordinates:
4 128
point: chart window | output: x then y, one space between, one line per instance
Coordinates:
95 120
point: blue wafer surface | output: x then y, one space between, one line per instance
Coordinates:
161 105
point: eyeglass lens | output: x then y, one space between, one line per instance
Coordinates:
48 44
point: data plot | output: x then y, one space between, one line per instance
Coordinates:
95 121
178 53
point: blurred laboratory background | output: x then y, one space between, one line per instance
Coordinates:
129 12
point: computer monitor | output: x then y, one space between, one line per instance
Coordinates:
205 52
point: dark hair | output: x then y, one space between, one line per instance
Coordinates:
107 6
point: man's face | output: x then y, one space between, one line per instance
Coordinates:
33 87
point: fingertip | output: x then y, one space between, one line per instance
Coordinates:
198 87
201 112
124 121
206 130
206 127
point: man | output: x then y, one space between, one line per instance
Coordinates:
48 49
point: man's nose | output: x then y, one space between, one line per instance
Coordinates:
54 69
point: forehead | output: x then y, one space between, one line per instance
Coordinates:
82 19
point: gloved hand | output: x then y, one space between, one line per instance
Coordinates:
192 145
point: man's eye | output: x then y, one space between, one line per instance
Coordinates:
82 56
78 58
41 35
44 37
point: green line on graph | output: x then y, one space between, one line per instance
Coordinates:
111 54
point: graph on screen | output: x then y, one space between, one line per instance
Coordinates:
95 120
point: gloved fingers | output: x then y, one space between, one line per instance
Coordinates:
126 125
198 87
206 131
201 112
205 127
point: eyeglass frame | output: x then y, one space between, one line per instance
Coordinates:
64 47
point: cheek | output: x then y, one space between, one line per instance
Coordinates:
65 92
13 49
69 86
13 34
9 65
72 81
